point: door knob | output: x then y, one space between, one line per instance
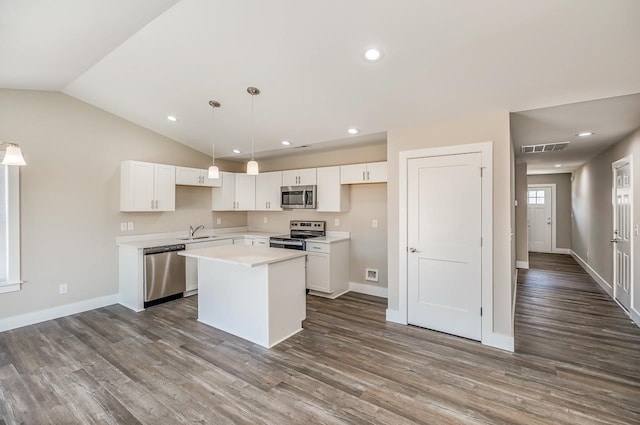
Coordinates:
413 250
615 240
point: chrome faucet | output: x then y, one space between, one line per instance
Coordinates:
193 231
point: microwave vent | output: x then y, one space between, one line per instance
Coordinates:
548 147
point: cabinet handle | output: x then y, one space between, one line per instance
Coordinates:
363 179
368 175
156 204
152 204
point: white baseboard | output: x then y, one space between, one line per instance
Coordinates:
603 283
363 288
395 317
562 251
26 319
522 264
635 316
331 296
503 342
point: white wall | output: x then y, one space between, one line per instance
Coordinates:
70 195
481 128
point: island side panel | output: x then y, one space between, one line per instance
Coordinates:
287 299
131 277
233 298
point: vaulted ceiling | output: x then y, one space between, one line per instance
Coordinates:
146 59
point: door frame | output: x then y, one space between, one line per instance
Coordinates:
554 247
486 151
617 164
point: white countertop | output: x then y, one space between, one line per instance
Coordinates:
147 241
245 255
329 239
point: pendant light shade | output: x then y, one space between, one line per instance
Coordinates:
214 173
13 155
252 166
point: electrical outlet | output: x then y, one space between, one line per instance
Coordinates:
218 220
374 223
64 288
336 222
123 227
130 225
264 220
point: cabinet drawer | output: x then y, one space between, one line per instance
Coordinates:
318 247
261 242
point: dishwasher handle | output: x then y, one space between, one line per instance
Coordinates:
161 249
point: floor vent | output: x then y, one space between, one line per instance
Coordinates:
549 147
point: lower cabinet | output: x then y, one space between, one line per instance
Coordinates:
192 263
252 241
328 268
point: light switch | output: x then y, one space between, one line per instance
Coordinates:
218 220
130 225
374 223
264 220
123 226
336 222
635 228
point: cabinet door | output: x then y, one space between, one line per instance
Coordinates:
192 263
189 176
223 198
275 183
138 186
262 191
261 242
377 172
318 272
245 192
210 182
307 176
331 196
290 178
354 173
165 187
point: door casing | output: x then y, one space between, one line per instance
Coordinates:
617 164
554 247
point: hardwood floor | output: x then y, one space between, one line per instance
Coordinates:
577 362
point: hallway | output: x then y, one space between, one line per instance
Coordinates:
564 316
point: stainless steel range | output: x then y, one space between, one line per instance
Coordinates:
299 231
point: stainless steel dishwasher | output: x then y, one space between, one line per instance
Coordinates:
164 274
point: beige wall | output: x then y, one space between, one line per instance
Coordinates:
563 207
368 201
70 195
522 231
592 211
481 128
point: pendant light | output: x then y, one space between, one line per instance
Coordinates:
12 155
252 166
214 173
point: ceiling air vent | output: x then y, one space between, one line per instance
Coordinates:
549 147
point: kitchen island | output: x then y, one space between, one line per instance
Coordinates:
254 292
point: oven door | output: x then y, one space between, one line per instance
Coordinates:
287 244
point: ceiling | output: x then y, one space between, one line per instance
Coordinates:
609 119
147 59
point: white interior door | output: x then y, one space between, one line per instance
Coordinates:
623 263
539 219
444 235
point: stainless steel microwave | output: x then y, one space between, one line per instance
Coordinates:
298 197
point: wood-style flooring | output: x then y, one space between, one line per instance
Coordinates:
577 362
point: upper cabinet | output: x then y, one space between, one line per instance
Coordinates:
332 196
373 172
195 177
237 193
145 186
268 191
304 177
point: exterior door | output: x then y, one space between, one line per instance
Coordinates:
444 234
539 219
622 260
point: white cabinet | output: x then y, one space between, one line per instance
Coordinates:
145 186
243 241
195 177
304 177
237 193
332 196
192 263
328 268
268 191
251 241
373 172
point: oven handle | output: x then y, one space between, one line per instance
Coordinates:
285 243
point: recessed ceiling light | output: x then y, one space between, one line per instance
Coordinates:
558 165
236 151
172 118
373 54
286 143
585 134
353 130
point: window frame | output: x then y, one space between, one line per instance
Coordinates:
14 281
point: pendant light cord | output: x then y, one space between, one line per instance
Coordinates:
252 131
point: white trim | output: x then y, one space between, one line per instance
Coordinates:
522 264
503 342
331 296
562 251
635 316
554 247
513 300
10 287
599 279
26 319
363 288
486 151
615 165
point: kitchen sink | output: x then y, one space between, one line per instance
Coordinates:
195 238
